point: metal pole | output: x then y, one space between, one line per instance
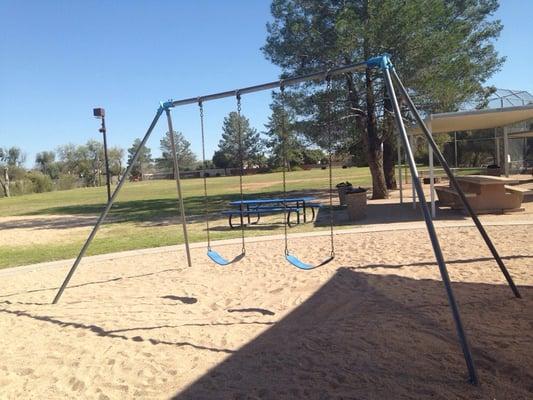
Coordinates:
413 190
455 147
178 185
455 185
432 182
507 155
274 84
498 154
107 208
432 233
399 146
108 176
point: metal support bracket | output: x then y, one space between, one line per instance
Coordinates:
383 62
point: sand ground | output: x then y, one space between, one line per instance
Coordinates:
373 324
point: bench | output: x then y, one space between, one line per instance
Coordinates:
448 197
258 211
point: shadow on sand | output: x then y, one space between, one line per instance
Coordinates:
365 336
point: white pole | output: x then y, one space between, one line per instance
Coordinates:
498 157
507 156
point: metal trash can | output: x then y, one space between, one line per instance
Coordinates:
342 188
356 202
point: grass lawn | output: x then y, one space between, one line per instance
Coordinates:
145 214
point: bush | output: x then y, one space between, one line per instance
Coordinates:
296 168
276 169
65 182
20 187
41 183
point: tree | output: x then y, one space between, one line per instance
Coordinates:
45 161
279 123
115 156
186 158
221 160
444 56
4 176
11 158
229 148
313 156
144 159
85 161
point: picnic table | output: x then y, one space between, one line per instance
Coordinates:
484 193
259 207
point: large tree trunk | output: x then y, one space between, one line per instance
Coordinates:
389 164
388 145
373 143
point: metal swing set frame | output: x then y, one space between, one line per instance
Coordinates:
390 77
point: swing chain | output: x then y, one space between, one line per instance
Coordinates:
204 167
241 163
284 161
330 159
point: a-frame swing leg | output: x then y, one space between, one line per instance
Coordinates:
178 186
108 207
431 230
456 185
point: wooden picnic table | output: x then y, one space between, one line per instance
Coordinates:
485 193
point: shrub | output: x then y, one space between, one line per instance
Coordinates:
41 183
65 182
20 187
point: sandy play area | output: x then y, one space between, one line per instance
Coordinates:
373 324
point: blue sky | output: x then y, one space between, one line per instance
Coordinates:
59 59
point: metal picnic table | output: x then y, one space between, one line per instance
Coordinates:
258 204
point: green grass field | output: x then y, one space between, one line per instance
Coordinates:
146 213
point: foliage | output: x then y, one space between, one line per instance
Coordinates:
66 182
84 161
143 161
314 156
13 156
45 161
281 138
115 157
229 148
186 158
444 57
41 183
221 159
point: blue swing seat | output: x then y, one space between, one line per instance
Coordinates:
217 258
301 265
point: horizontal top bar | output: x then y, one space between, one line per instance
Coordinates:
371 63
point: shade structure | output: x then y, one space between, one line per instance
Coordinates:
476 119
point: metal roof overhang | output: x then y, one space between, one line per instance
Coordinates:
476 119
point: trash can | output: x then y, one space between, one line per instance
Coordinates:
356 202
342 188
494 170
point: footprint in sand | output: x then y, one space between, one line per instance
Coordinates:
183 299
24 371
76 385
252 310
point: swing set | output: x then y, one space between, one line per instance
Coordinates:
381 63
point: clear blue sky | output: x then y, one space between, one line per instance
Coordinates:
59 59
